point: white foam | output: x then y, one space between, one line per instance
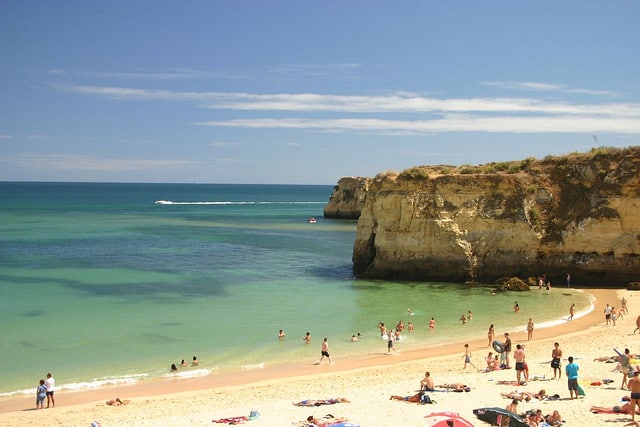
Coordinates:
253 367
169 202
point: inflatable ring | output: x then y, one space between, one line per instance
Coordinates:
497 346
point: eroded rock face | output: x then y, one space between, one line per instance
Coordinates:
348 198
577 214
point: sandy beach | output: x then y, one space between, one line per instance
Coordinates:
368 384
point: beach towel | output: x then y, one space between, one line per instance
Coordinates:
320 402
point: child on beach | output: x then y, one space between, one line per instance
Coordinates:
41 394
467 358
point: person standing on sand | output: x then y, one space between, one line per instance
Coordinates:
572 378
467 358
625 365
637 325
507 349
41 393
491 334
529 330
556 357
572 311
50 383
634 386
607 314
519 357
324 352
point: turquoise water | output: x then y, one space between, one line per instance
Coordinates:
100 285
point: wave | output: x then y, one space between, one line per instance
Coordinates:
85 385
169 202
113 381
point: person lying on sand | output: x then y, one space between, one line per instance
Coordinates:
116 402
415 398
327 420
624 409
312 402
525 395
457 387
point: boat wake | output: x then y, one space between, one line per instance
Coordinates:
169 202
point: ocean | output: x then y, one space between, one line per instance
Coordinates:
102 285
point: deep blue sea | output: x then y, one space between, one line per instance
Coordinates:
99 284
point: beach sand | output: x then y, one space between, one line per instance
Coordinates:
367 382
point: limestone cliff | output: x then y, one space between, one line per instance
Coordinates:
577 214
348 198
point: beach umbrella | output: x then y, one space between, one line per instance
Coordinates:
498 416
446 419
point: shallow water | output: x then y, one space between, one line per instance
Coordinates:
99 284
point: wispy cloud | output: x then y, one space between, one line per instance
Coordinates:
519 115
317 70
548 87
453 123
6 136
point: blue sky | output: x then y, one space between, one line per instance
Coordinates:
307 92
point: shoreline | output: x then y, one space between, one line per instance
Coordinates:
229 379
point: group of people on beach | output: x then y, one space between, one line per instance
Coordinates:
46 390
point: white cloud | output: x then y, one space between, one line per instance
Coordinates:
547 87
451 123
520 115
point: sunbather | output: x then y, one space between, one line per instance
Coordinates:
117 402
415 398
311 402
624 409
554 419
456 387
525 395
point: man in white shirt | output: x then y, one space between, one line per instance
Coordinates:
50 383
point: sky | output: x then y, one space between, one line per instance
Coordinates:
307 92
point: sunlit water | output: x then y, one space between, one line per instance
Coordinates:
100 285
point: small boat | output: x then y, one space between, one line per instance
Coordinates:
312 220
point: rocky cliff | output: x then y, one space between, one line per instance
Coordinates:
577 214
348 197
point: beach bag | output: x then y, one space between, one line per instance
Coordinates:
254 414
425 399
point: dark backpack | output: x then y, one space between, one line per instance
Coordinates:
425 398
